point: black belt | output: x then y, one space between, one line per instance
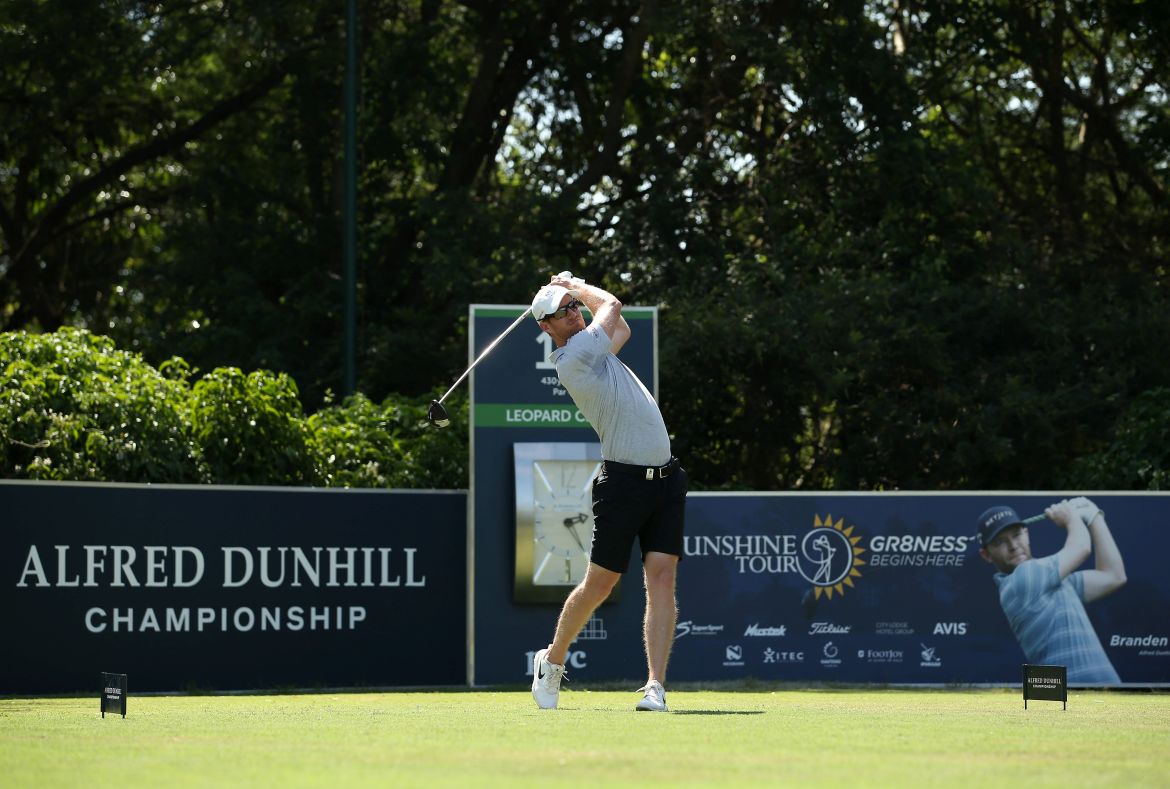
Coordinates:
644 472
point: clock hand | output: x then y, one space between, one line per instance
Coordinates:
570 522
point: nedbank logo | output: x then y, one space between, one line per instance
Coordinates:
830 556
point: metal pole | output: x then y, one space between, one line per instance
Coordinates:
349 231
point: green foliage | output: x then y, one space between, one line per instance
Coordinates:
894 246
73 407
361 444
250 428
1137 457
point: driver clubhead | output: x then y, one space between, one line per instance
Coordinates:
438 415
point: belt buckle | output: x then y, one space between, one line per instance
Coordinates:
649 474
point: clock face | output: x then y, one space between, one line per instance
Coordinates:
562 520
554 518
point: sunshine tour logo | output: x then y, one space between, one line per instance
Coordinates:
828 556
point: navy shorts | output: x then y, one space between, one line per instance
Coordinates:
628 506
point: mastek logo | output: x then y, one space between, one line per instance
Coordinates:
689 628
765 632
950 628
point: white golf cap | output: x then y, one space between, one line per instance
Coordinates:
548 299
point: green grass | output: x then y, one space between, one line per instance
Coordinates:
850 738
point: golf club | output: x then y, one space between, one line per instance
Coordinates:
437 413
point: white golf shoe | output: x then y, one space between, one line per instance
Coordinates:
655 698
546 681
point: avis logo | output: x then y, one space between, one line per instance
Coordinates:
950 628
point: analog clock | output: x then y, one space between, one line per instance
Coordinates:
554 517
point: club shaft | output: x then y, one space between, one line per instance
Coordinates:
1035 518
486 351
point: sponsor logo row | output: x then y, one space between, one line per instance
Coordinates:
830 655
1146 644
757 630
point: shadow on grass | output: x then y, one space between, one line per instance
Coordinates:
716 712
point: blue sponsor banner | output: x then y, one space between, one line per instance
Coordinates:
892 588
221 588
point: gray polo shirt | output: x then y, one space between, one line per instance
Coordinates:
1047 614
611 397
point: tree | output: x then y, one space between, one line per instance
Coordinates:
909 245
103 103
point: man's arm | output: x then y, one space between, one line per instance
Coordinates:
1077 544
1108 574
606 309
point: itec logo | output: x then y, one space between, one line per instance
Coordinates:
574 659
830 556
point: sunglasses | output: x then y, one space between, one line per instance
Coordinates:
572 306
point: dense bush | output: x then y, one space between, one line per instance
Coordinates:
365 445
74 407
1138 455
251 428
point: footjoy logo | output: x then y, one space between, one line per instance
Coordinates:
733 655
929 658
689 628
880 655
756 630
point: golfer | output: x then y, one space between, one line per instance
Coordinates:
1044 599
640 492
